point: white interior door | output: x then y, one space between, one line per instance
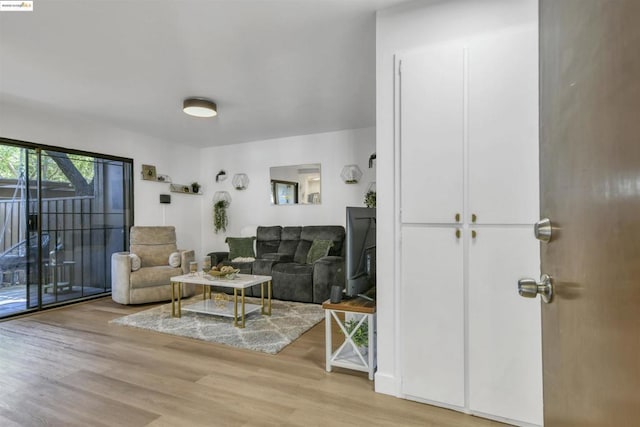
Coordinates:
505 355
503 126
431 141
432 315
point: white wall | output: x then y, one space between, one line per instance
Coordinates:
252 207
44 125
401 29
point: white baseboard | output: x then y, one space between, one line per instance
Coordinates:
387 384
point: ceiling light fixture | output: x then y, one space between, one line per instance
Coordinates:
200 107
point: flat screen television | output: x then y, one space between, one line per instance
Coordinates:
360 250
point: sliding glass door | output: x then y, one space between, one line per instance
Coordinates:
67 213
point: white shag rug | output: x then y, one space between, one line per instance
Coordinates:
268 334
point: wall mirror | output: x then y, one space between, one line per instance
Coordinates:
295 184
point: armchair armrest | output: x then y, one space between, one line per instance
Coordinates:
186 258
218 257
120 272
327 271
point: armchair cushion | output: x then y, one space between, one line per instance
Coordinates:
175 259
240 247
318 249
153 276
153 244
135 262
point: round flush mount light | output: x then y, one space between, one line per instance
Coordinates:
200 107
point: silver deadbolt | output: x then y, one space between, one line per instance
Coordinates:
529 288
542 230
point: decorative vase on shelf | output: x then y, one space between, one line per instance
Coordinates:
195 187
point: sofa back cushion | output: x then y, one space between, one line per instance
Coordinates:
153 245
268 240
335 233
290 240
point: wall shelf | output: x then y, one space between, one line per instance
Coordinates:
183 189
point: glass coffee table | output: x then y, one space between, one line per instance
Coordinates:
221 306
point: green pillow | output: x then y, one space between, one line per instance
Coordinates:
318 249
240 247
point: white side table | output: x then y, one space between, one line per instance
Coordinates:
349 355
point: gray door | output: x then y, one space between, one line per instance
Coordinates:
590 189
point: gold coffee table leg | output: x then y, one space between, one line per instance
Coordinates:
262 297
235 307
179 299
242 292
269 297
173 299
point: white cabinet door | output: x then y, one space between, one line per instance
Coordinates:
505 359
431 135
503 127
432 315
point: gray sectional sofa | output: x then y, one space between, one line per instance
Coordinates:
282 252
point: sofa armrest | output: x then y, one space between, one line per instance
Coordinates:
327 271
120 272
278 257
218 257
186 257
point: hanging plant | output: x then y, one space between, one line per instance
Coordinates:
220 219
370 199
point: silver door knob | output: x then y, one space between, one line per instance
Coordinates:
542 230
529 288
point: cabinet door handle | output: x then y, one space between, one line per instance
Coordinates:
457 217
458 233
474 218
474 234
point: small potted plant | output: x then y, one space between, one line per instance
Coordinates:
361 336
195 187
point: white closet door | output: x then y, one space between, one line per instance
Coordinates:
505 356
431 135
432 315
503 127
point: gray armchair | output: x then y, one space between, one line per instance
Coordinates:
143 274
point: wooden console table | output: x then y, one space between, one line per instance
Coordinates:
349 355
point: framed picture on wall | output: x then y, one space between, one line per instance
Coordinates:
149 173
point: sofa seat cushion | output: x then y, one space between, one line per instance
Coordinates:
153 276
293 282
279 257
262 267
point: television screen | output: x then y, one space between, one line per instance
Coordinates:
360 250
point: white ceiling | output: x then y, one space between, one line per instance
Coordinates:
275 68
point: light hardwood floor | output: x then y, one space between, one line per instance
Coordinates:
70 367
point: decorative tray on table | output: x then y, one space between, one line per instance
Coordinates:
224 273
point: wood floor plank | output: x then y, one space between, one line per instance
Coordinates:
70 366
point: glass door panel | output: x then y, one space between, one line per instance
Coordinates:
73 211
16 241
